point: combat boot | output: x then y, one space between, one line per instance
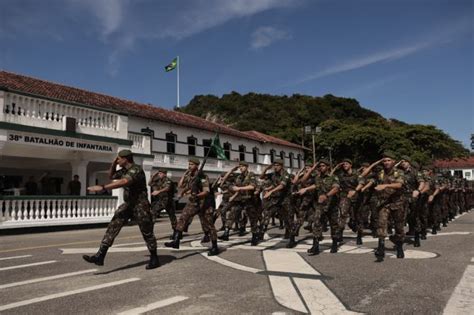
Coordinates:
445 222
154 262
175 242
380 251
292 242
205 238
434 230
359 238
297 232
423 234
225 236
400 253
333 246
416 243
254 240
99 257
214 249
172 235
242 230
287 234
273 221
314 250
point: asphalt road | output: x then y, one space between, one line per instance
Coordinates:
43 273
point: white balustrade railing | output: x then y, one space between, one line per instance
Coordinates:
138 141
43 113
44 211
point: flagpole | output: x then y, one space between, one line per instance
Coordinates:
177 83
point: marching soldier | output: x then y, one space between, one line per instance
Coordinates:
327 188
390 184
196 184
136 205
275 197
162 196
242 201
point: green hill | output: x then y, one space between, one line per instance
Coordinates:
347 128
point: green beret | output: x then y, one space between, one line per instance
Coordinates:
194 161
407 159
124 153
308 163
390 155
278 161
348 161
324 161
243 163
162 170
365 164
427 168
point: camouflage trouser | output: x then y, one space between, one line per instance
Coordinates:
423 213
332 212
346 206
412 214
205 215
222 211
396 211
141 213
164 203
239 208
374 212
302 210
271 206
435 214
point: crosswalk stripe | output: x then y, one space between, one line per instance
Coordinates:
63 294
64 275
462 298
28 265
153 306
15 257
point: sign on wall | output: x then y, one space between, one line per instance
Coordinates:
60 142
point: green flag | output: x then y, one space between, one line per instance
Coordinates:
172 65
216 145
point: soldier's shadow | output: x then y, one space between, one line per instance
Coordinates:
164 259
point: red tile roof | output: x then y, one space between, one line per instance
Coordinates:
20 83
456 163
266 138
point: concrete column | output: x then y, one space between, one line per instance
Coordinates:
2 105
79 167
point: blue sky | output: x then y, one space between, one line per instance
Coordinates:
407 59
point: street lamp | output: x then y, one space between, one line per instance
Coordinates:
313 132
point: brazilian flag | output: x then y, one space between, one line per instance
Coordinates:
172 65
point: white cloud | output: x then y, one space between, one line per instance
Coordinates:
266 35
442 37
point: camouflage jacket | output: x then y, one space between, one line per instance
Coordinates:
136 189
243 180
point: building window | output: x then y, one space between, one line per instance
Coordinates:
227 148
170 142
299 160
291 159
272 155
241 153
207 149
255 155
192 146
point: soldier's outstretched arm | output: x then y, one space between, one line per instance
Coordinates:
369 169
262 176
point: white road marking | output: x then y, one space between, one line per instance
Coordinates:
28 265
64 275
63 294
231 264
287 262
462 299
415 254
318 298
14 257
286 294
153 306
472 259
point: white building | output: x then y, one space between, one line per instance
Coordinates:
48 127
458 167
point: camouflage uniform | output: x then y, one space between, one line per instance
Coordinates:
136 205
225 205
201 207
304 206
413 179
243 203
164 200
347 183
275 203
391 203
324 184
